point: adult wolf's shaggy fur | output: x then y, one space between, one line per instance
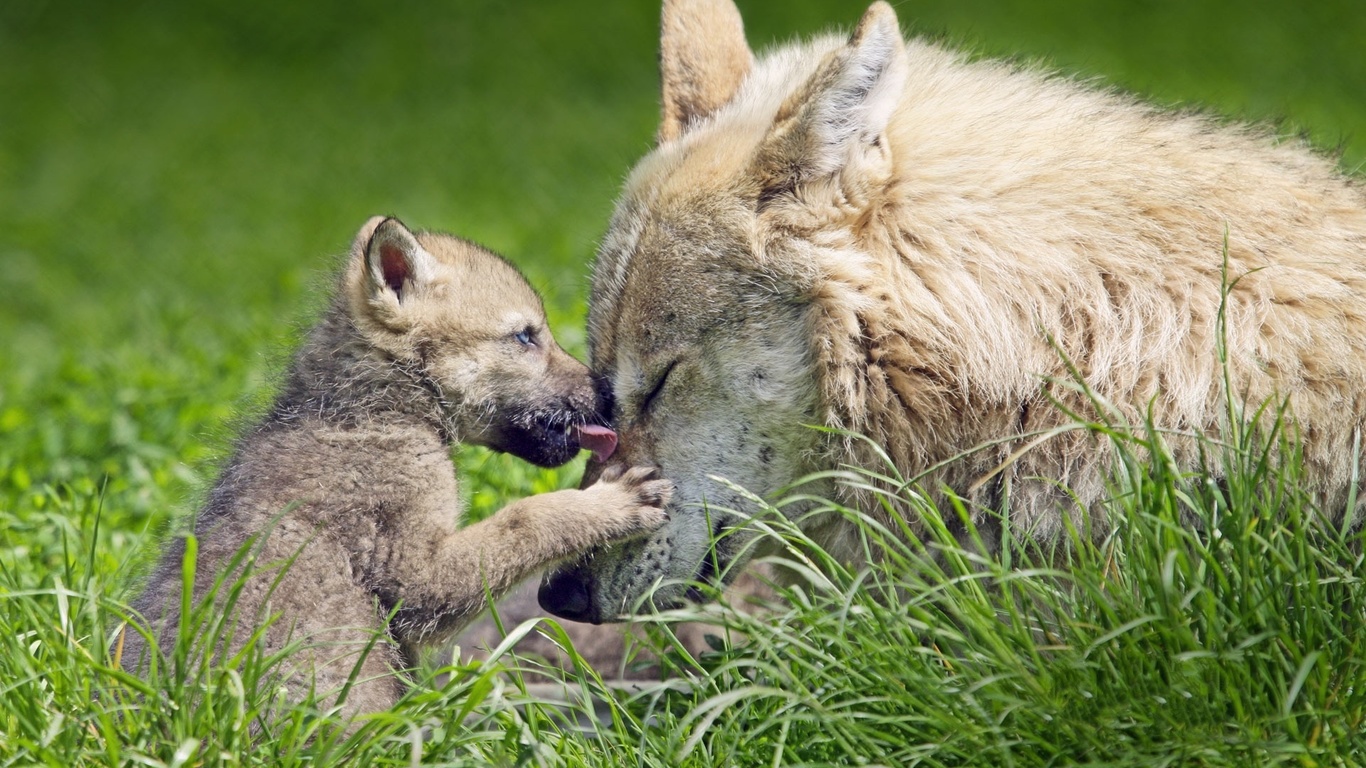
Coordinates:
430 341
882 236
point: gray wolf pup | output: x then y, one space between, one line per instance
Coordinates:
882 236
430 341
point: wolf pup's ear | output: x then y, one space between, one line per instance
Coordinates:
394 262
703 59
845 108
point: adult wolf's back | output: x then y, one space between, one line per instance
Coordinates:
882 236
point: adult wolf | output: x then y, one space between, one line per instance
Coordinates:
882 236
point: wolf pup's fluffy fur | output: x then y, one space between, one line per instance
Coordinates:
430 341
883 236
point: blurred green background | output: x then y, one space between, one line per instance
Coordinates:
176 179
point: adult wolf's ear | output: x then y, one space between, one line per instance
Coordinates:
846 106
703 59
395 265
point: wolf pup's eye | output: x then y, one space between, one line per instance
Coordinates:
524 337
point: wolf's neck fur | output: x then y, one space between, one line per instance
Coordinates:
338 378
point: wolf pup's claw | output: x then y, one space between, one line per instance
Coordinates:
637 496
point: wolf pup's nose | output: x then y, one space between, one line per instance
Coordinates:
564 594
598 439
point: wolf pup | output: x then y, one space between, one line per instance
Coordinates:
430 341
887 237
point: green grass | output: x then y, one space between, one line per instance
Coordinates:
1217 625
1159 646
175 181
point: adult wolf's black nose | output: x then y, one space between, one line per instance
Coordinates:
565 594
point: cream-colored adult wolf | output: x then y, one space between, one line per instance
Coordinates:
430 341
883 236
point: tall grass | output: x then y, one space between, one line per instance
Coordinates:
1218 623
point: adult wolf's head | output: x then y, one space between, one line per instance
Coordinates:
708 315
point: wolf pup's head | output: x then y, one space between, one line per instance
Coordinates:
704 313
470 330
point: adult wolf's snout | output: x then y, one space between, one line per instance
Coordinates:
567 594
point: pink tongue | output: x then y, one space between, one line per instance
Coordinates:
600 440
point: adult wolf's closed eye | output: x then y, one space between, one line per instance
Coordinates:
658 387
881 236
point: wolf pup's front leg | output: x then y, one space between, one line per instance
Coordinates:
442 585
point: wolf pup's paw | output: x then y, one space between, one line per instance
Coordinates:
633 500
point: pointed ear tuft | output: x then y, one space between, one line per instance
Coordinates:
367 230
394 261
703 59
877 70
847 105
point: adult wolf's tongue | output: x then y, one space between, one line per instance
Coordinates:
600 440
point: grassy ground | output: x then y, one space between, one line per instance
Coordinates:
175 179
